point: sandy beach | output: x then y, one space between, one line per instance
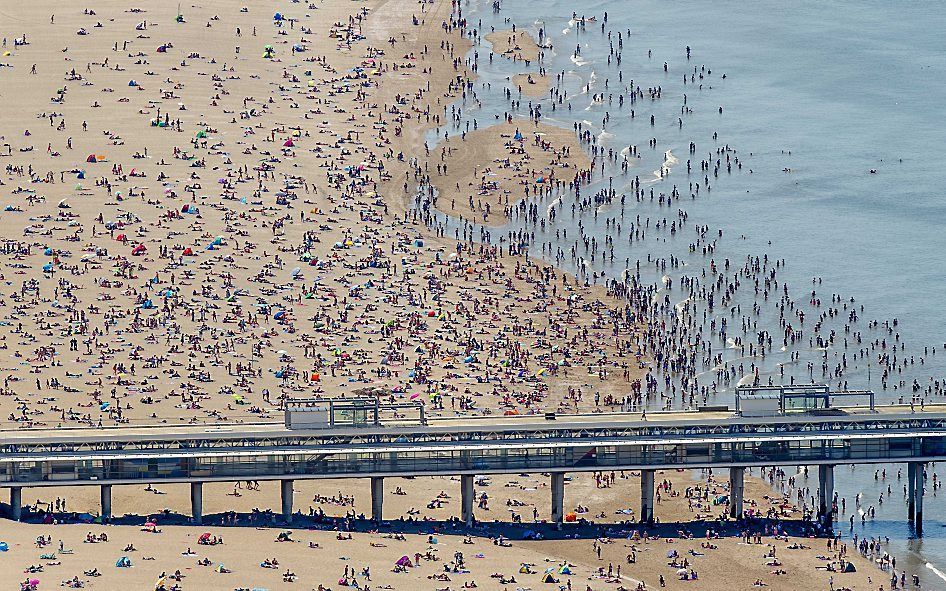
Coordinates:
211 211
692 543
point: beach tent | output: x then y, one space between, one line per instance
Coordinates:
162 48
548 578
404 561
4 546
518 136
91 158
849 568
132 83
201 134
524 569
564 570
123 562
288 143
188 252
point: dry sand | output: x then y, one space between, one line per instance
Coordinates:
363 299
720 562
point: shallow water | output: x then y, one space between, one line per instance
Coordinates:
816 95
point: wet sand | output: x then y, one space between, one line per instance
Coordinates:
499 168
515 45
531 85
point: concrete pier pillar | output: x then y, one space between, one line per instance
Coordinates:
197 502
16 503
915 488
826 492
737 491
647 496
377 498
466 499
105 495
558 498
285 495
911 489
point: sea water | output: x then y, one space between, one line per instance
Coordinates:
836 113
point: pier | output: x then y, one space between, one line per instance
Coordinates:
365 439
